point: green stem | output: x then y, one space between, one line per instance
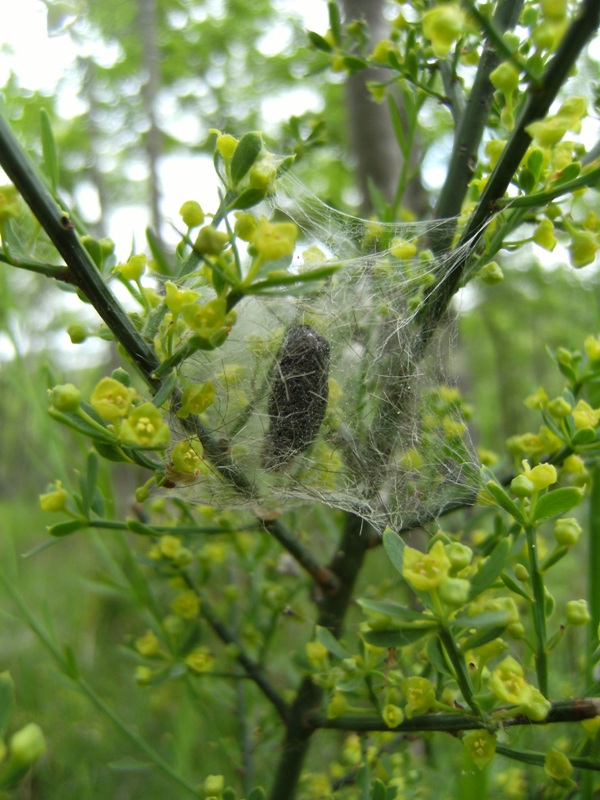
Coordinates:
66 666
538 611
537 199
560 712
539 759
535 106
460 668
470 129
82 271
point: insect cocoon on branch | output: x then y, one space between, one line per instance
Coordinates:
298 397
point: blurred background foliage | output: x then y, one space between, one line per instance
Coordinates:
151 80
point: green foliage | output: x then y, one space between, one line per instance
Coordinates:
249 632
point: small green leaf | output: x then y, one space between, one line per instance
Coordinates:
161 262
395 611
245 155
329 641
67 528
7 701
482 637
49 149
491 568
397 638
246 199
109 452
138 527
504 501
166 389
334 22
319 42
553 504
583 436
569 173
70 666
394 547
437 658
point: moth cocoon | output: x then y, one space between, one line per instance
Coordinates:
298 397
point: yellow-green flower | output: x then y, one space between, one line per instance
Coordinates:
592 347
273 240
544 235
443 25
317 654
176 298
145 427
557 766
206 320
583 248
392 715
112 399
200 660
337 706
196 399
56 500
210 241
186 605
481 746
584 416
186 457
133 269
169 546
425 571
507 681
148 644
541 476
420 695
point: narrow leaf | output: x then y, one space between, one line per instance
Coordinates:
245 155
491 569
49 149
329 641
166 388
393 610
395 637
319 42
334 22
67 528
483 637
558 502
394 547
504 501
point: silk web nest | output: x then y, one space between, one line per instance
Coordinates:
321 395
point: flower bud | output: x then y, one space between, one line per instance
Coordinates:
65 398
576 612
77 333
505 77
567 531
191 214
521 486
